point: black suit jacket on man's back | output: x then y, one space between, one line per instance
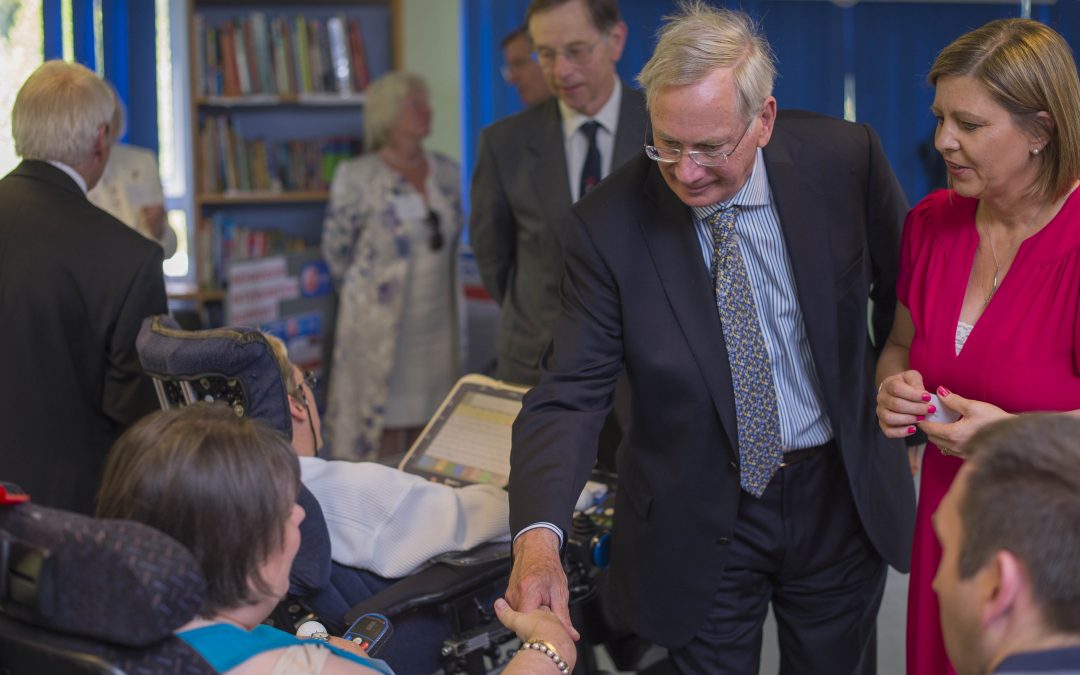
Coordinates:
636 296
75 284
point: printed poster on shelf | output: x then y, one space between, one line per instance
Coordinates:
256 288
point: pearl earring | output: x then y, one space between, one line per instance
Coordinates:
1035 151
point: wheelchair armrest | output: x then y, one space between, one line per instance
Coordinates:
447 578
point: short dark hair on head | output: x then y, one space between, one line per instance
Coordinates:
1023 496
604 13
520 31
1027 67
221 485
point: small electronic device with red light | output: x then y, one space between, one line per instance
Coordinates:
371 631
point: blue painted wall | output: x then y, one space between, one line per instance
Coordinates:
129 45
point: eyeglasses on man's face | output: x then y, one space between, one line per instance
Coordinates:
707 158
310 379
577 53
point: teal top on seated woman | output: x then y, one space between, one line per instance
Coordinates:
225 646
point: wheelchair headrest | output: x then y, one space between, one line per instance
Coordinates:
234 365
115 581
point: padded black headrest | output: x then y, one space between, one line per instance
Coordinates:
237 356
241 354
112 580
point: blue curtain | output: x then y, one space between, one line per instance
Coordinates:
887 46
130 56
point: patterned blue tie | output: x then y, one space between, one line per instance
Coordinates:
751 372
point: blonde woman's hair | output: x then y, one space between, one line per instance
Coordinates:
382 105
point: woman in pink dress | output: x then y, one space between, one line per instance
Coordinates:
989 285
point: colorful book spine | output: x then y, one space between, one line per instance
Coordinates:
339 54
261 34
228 56
242 70
278 42
302 58
358 55
201 84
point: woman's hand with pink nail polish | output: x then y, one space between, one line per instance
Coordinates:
900 401
974 416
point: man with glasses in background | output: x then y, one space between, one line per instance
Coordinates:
726 271
520 70
532 166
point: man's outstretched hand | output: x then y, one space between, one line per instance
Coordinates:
537 579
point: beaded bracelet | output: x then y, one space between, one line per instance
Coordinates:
547 649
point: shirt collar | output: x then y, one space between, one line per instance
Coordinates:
607 116
75 175
1038 661
755 192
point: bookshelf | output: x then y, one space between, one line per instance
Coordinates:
276 90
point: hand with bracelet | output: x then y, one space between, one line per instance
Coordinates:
543 639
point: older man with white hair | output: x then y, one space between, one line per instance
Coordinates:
75 284
726 270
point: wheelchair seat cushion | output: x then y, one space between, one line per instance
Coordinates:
116 581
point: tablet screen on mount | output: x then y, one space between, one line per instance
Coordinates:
468 439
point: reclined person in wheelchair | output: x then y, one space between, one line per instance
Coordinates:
382 519
383 524
225 487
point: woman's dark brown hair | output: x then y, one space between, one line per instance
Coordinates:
219 484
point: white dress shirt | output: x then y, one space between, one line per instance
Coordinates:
577 145
391 522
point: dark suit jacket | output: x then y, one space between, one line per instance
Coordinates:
75 283
636 295
520 197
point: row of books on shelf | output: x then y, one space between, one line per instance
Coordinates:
229 162
279 56
221 239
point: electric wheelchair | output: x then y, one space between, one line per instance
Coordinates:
82 595
442 614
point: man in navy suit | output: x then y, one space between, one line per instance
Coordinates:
1007 581
75 285
726 270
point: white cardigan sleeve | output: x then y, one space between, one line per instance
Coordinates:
391 522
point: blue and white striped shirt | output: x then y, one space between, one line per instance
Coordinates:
803 422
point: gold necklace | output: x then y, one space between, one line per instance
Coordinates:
997 269
1012 249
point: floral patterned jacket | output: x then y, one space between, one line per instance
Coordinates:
367 247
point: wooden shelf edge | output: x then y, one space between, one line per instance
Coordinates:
261 197
270 100
188 293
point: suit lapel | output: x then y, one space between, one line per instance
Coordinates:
806 225
672 243
548 154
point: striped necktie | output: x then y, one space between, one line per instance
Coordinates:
756 412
